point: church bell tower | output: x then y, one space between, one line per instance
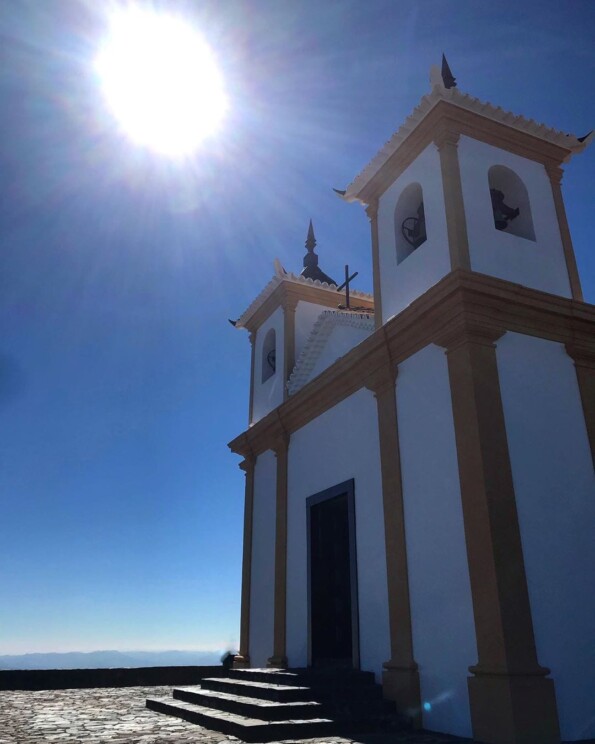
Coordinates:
463 184
456 409
279 322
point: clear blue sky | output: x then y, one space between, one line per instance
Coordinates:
120 379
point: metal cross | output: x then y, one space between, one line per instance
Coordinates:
346 284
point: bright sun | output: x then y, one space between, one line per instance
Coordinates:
161 81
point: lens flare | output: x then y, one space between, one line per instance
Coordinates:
161 81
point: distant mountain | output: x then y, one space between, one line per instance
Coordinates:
110 659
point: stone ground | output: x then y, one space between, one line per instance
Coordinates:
119 716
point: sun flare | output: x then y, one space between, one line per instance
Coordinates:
161 81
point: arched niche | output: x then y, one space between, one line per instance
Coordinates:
269 354
510 203
410 222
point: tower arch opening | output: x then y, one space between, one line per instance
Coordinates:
510 203
410 221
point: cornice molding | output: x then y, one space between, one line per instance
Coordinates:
468 116
462 302
372 209
286 291
555 173
581 355
281 444
446 136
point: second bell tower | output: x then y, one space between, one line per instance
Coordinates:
463 184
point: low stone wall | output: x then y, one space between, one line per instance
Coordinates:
65 679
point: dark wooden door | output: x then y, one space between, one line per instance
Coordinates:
331 583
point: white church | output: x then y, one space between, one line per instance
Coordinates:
420 489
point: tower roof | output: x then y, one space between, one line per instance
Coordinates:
311 269
301 287
468 115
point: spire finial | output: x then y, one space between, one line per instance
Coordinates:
448 78
311 269
310 239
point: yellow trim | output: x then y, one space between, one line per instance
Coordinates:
460 297
243 658
456 221
279 658
447 116
372 212
287 291
289 306
252 362
400 677
555 175
503 622
584 362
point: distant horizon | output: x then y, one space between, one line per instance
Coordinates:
104 658
122 650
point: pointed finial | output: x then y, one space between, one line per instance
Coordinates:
310 239
447 77
311 269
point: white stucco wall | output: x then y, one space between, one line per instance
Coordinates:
539 264
340 340
441 607
555 493
306 314
401 284
263 560
339 445
268 394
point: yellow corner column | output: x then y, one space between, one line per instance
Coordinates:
400 677
511 699
289 308
456 222
279 658
584 362
555 174
242 659
252 362
372 212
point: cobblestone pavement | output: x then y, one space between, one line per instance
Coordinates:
119 716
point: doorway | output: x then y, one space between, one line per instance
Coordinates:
333 637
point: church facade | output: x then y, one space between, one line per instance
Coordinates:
420 490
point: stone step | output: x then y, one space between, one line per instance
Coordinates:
285 686
270 676
271 704
306 677
337 707
269 710
247 729
260 690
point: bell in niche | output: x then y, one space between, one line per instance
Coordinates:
503 214
414 228
272 360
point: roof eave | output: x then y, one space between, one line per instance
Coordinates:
567 144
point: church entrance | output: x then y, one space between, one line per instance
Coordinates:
332 578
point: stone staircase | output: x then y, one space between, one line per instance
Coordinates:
260 705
